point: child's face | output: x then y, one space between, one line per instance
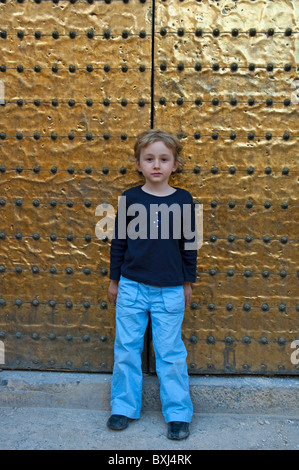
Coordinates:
157 162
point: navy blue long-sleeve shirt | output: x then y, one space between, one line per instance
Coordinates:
150 244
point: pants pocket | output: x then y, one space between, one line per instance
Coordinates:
127 292
174 299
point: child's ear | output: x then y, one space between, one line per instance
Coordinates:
138 166
175 166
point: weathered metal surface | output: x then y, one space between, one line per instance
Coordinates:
217 66
80 83
77 136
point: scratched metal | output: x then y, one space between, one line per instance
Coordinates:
78 126
95 131
244 314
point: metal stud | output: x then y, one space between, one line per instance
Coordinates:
210 339
193 339
229 340
246 340
263 340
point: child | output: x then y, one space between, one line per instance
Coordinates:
151 275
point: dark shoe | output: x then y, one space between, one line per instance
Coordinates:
178 430
118 422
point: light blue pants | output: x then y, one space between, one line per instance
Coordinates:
135 301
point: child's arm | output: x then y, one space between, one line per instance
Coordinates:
112 291
187 293
117 254
188 249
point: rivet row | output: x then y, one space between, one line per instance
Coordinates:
104 271
197 170
141 102
245 340
194 306
213 204
163 67
52 336
71 102
71 68
214 136
77 1
199 32
53 269
73 34
71 136
232 368
233 101
247 273
245 307
233 67
193 339
52 303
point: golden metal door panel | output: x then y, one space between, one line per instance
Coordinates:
81 51
212 180
239 357
80 121
205 152
233 286
270 320
69 16
58 147
62 85
257 258
201 81
192 45
225 77
243 15
225 118
77 80
222 119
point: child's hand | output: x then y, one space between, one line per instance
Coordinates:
188 293
112 291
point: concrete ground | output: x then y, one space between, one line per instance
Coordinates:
62 411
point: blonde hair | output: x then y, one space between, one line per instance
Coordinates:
155 135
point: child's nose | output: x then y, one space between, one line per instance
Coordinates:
157 163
